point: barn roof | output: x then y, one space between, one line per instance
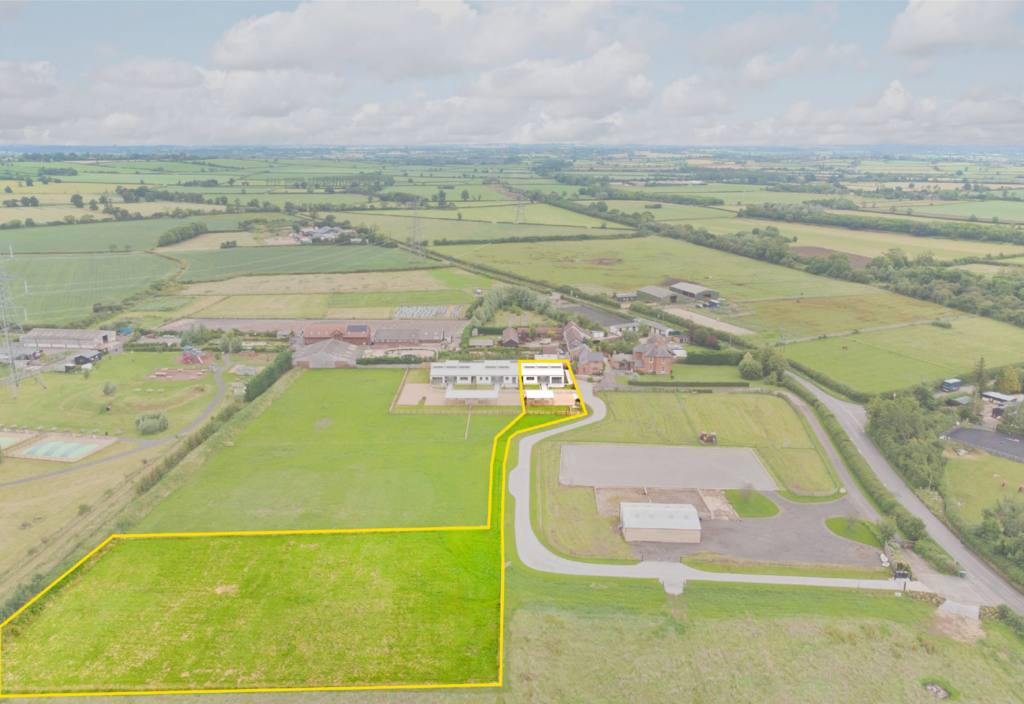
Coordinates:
670 516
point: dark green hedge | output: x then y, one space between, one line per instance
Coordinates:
830 383
693 384
717 359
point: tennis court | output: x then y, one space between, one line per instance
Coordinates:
62 449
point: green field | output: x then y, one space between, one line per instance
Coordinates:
807 317
99 237
751 504
976 481
399 225
218 264
671 212
62 288
266 611
893 359
327 454
867 243
1012 211
400 298
312 305
72 401
623 265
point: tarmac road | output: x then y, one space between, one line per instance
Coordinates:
673 575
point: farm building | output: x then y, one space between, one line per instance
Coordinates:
694 291
20 353
588 361
996 397
625 297
509 337
87 357
951 385
659 523
653 356
656 294
573 334
56 338
352 334
959 401
498 373
329 354
634 326
482 342
409 337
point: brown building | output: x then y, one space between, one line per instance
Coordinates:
509 337
408 337
653 356
352 334
622 361
588 361
328 354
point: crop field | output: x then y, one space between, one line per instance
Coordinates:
867 243
534 214
622 265
297 467
72 401
976 481
64 287
225 263
893 359
362 282
805 317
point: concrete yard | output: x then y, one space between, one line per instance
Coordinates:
663 466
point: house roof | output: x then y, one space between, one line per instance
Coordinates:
661 516
62 334
408 334
654 347
495 367
996 396
510 334
584 355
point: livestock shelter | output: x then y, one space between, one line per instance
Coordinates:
659 523
355 334
329 354
59 339
625 297
694 291
655 294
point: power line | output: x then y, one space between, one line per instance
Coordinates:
10 324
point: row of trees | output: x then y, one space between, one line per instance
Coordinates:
258 385
182 233
908 226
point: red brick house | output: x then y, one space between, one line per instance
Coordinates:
588 361
653 356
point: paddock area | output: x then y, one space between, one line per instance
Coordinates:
663 466
58 447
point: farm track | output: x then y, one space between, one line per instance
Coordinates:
672 575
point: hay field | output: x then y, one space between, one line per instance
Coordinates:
974 482
302 305
361 282
327 454
806 317
893 359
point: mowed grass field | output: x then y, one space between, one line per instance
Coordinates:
307 610
226 263
266 611
327 454
565 518
815 316
72 401
360 282
886 360
62 288
976 481
312 305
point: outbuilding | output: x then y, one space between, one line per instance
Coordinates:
659 523
951 385
329 354
693 291
655 294
56 338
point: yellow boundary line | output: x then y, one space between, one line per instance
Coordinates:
501 597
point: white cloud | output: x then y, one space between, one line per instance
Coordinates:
763 69
151 73
404 40
27 79
759 33
696 95
919 68
928 27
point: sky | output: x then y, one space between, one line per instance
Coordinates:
925 72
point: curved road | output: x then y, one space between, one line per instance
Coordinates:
141 445
673 575
983 585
